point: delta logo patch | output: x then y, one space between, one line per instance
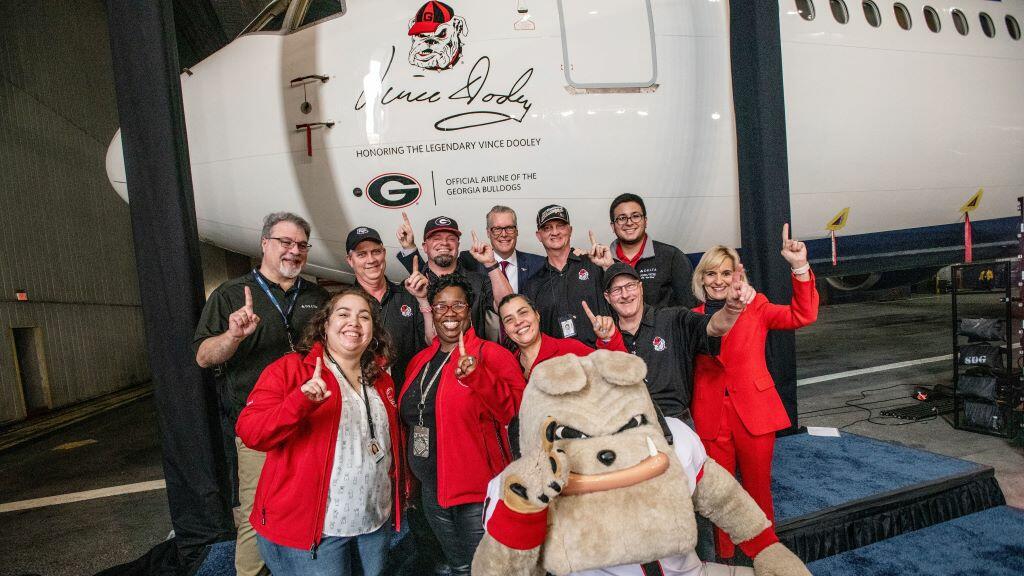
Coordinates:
584 275
659 343
406 311
437 36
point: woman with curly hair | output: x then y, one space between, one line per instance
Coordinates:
459 395
327 418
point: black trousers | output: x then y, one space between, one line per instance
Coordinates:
459 529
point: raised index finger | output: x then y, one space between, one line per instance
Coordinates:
593 239
586 309
472 233
406 218
462 346
316 371
415 264
248 297
785 233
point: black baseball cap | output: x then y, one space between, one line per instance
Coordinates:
618 269
359 234
441 224
552 212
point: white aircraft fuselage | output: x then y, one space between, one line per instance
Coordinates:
576 101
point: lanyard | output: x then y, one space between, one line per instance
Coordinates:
366 399
433 379
285 314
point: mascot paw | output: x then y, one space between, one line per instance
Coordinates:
530 484
777 560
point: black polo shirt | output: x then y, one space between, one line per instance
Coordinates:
270 340
400 312
558 295
667 340
483 295
666 273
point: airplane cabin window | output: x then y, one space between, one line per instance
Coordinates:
960 22
871 13
270 20
805 8
839 11
931 18
902 16
317 10
1013 27
987 25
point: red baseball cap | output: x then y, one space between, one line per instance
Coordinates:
430 16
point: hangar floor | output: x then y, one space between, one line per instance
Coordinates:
47 528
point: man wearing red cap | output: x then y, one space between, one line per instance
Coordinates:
436 36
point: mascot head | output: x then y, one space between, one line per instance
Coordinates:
627 498
436 36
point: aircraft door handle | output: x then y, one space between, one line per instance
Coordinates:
308 127
303 79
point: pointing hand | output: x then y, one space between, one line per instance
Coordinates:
406 237
315 389
604 326
794 251
417 283
243 322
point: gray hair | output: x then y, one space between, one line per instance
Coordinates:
499 209
275 218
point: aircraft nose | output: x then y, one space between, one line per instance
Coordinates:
115 167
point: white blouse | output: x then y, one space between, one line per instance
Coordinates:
359 499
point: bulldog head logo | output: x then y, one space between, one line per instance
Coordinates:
436 36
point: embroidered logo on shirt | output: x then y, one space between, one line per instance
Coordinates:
659 343
584 275
309 306
406 311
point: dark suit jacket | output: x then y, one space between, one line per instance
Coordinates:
529 264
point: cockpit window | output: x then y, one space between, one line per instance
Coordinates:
317 10
271 19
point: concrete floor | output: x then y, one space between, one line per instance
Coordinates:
85 537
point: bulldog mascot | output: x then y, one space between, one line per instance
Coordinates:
600 491
436 36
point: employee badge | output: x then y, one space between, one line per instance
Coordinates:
421 441
568 326
375 450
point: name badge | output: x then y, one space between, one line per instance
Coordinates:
376 450
568 326
421 441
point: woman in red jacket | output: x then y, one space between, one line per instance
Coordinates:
521 321
326 417
736 409
459 395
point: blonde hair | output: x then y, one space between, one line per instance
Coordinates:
712 259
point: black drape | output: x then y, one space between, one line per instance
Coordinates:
170 277
760 108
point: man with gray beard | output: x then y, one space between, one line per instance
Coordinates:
441 245
247 323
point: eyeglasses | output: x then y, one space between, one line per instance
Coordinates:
500 230
634 218
628 287
443 308
287 244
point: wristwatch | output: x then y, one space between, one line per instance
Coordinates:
493 267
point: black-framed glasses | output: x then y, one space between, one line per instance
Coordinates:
287 243
502 230
628 287
443 308
634 218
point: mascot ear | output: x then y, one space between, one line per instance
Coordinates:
460 25
561 375
619 368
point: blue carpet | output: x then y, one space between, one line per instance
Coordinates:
990 542
812 473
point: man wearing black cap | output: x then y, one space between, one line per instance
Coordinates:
404 309
665 271
441 245
668 338
567 280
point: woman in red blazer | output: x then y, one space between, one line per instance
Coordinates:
736 408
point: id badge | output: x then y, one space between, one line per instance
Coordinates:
421 441
375 450
568 326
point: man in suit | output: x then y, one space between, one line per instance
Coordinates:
503 232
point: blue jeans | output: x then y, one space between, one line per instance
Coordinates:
333 556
